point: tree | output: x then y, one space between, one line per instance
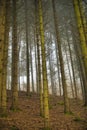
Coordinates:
2 42
66 101
72 65
5 59
14 83
83 17
39 87
27 48
44 69
83 45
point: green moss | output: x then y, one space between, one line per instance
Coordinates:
15 109
78 119
50 107
14 128
69 113
41 115
46 128
61 103
3 115
29 95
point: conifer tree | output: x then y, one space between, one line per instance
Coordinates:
14 83
5 58
27 49
66 101
83 44
2 41
44 69
38 58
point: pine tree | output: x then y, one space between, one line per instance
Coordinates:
5 58
83 17
44 69
66 101
27 49
83 45
14 83
2 41
38 58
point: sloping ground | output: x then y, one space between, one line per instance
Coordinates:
28 115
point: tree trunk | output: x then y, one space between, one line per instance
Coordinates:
72 65
66 100
27 49
31 60
38 57
69 72
83 17
5 59
2 41
44 69
14 83
58 67
83 44
81 67
81 33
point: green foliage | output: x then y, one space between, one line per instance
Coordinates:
15 110
78 119
50 106
69 113
85 107
3 115
46 128
14 128
61 103
41 115
29 95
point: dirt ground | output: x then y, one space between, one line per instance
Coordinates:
28 116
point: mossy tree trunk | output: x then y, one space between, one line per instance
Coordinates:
83 44
2 41
14 83
38 57
80 62
83 17
44 69
5 58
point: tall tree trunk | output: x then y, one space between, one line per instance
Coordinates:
27 49
44 69
66 101
38 56
81 67
81 33
31 60
83 17
72 65
58 67
2 40
36 62
51 75
5 58
83 41
14 83
69 72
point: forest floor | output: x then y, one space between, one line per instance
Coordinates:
28 116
